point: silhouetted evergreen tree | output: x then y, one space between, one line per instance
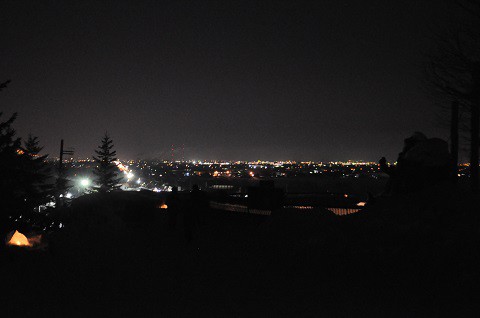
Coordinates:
23 172
106 170
9 170
35 174
10 178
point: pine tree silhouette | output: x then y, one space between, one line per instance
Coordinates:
106 170
36 174
10 163
9 145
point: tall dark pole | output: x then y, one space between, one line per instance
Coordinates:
61 185
61 157
64 152
59 195
454 139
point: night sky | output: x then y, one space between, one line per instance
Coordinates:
237 80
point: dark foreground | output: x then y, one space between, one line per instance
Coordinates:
380 262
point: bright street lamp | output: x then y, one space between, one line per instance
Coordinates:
85 182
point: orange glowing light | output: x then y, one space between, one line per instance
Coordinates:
164 206
19 239
120 166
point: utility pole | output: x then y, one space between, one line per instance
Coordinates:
61 180
63 152
60 163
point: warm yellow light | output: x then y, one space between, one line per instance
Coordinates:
19 239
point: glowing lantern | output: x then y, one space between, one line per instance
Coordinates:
164 206
19 239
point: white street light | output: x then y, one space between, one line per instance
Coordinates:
85 182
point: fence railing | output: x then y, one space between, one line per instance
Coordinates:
244 209
238 208
343 211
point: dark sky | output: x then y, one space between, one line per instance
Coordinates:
242 80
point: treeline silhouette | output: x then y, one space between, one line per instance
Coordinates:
27 181
453 75
24 183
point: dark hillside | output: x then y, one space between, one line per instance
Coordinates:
401 255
